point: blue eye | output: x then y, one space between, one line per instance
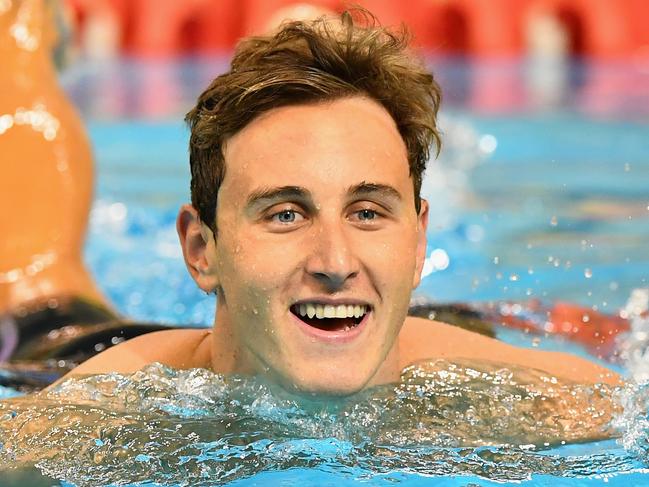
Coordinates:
286 216
366 214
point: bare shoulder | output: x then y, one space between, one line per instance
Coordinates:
423 339
179 348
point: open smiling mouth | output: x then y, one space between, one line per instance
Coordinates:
342 317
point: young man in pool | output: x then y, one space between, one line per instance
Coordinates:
306 221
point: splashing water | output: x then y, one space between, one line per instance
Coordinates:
194 427
634 352
634 346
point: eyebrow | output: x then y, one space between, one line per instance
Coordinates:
283 193
368 189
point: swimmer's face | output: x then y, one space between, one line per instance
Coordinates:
316 214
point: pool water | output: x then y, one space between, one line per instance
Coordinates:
541 191
167 427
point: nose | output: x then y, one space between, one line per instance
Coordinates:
332 261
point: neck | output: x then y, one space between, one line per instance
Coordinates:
227 355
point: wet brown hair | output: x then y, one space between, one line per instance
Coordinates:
310 62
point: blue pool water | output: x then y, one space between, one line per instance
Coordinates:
542 191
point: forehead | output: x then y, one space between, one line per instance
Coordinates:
343 141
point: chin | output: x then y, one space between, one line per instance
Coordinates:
326 383
328 390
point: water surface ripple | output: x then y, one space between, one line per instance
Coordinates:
163 426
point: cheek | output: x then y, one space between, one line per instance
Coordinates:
391 257
254 267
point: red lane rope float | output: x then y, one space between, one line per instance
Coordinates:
594 330
597 331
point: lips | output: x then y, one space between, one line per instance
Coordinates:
342 317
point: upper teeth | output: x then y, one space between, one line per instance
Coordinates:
331 311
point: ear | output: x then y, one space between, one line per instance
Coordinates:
199 248
420 256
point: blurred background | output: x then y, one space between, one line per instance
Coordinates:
602 28
552 36
541 189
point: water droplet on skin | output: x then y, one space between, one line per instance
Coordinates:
585 318
588 273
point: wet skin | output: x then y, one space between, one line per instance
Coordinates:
318 206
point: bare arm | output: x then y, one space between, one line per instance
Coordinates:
422 339
563 398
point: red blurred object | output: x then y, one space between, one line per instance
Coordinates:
594 330
467 26
160 28
260 13
598 28
155 28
